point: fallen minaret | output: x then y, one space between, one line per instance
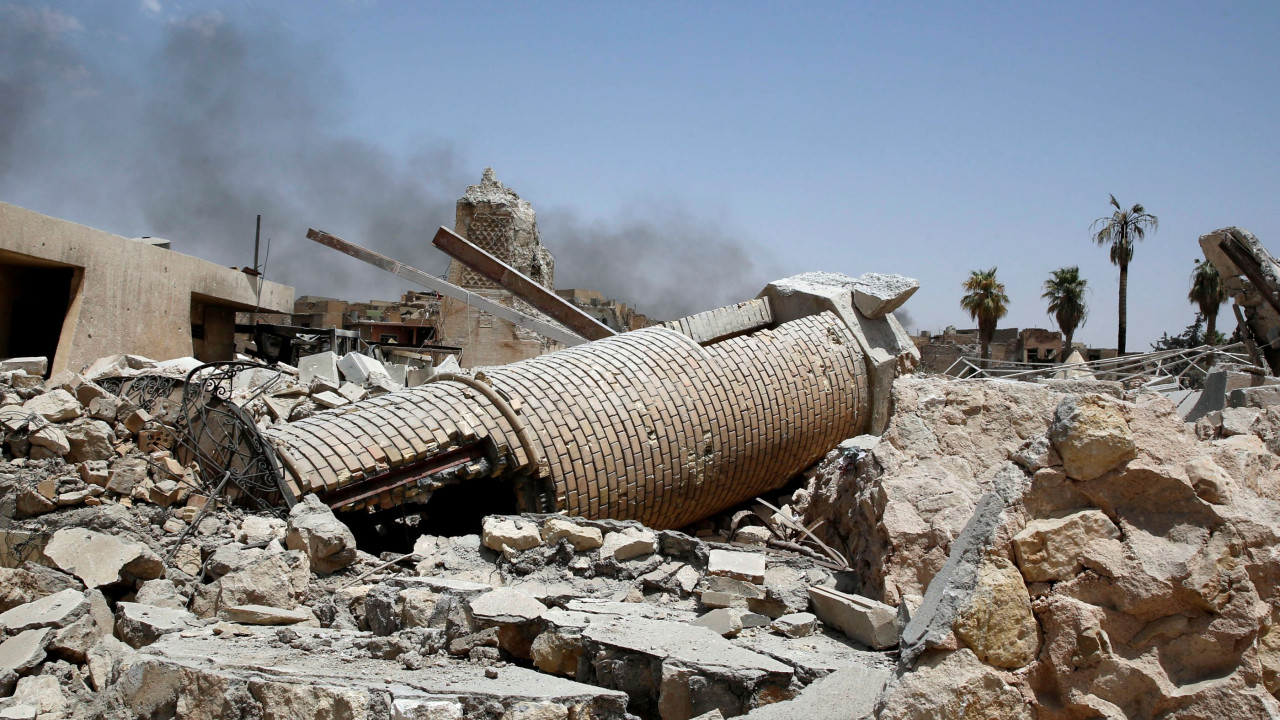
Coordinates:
664 425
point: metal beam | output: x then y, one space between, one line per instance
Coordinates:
475 257
414 275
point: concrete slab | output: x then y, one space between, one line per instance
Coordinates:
323 365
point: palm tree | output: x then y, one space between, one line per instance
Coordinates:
1207 291
1121 230
1065 292
985 302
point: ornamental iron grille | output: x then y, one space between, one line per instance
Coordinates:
221 439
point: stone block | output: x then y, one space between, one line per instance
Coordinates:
581 537
505 606
315 530
796 625
139 625
266 615
745 566
29 365
863 620
1091 436
26 650
498 533
52 611
1235 420
57 406
877 295
726 622
323 365
1056 548
358 368
628 544
99 559
353 392
328 399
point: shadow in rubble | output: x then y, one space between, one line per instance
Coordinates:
452 511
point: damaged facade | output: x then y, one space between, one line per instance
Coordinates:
74 294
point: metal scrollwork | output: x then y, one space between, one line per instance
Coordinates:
214 431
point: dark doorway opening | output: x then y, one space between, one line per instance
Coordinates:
452 511
33 305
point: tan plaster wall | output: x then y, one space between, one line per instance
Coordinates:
133 297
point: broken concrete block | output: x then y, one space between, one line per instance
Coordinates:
1235 420
796 625
126 474
1056 548
161 592
328 399
504 532
135 419
266 615
324 365
753 535
629 543
864 620
409 709
73 642
89 439
139 625
580 537
505 606
738 565
1263 396
43 693
28 365
357 368
26 650
396 372
353 392
53 611
104 661
52 438
256 529
281 408
877 295
99 559
313 529
57 406
1091 436
722 621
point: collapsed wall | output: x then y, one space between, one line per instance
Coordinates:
664 425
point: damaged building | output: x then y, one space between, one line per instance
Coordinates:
763 510
74 294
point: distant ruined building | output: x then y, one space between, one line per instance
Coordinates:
495 218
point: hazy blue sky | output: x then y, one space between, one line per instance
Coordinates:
681 148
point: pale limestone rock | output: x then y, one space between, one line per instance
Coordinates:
796 625
1091 435
26 650
89 440
722 621
410 709
266 615
582 538
140 625
43 693
105 660
557 651
864 620
256 529
52 611
99 559
506 606
953 686
313 529
997 623
278 580
1057 549
51 438
628 544
498 533
57 406
745 566
1209 480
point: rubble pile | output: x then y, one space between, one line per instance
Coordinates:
1064 550
1053 550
